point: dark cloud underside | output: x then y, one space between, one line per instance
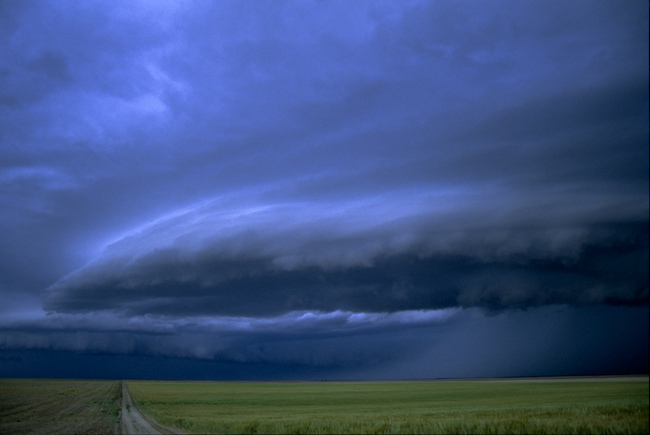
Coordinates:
608 266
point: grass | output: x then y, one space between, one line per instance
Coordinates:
567 406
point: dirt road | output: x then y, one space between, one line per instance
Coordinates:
133 421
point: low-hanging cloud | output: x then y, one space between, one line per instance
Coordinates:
382 256
294 338
336 345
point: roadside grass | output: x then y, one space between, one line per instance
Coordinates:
459 407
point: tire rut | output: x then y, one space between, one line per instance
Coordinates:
134 421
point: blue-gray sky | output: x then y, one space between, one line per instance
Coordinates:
305 189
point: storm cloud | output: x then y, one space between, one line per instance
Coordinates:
370 258
171 171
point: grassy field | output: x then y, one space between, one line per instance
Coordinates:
554 406
38 406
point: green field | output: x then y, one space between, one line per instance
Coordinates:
590 406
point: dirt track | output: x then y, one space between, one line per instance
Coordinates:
133 421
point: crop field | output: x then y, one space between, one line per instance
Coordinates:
38 406
579 406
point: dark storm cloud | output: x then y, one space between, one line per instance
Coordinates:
298 338
260 158
546 341
279 259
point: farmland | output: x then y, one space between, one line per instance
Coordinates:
523 406
563 405
38 406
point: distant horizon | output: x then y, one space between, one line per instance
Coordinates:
639 376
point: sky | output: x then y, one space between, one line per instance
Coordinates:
323 189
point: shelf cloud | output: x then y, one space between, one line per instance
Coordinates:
362 184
